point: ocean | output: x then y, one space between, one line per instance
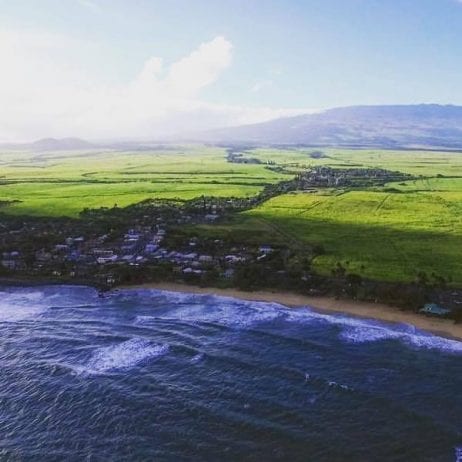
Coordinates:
149 375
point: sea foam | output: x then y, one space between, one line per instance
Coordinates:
366 332
122 356
244 314
458 454
19 303
18 306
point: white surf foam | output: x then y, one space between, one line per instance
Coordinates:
17 306
225 311
225 314
197 358
20 303
243 314
372 333
458 454
144 319
122 356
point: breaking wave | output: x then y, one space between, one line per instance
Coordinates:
122 356
355 330
244 314
18 303
370 333
458 454
18 306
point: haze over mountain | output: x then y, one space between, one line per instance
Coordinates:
429 125
52 144
409 126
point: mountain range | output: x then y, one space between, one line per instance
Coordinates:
429 126
425 125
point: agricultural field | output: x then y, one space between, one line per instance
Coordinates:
386 233
390 233
379 235
64 183
418 163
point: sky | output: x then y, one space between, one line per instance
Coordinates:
146 69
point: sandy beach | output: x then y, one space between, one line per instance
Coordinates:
443 327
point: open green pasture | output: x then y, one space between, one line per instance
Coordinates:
380 235
425 163
64 183
390 233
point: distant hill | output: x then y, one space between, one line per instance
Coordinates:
51 144
69 144
425 125
65 144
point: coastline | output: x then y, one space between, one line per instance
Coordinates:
376 311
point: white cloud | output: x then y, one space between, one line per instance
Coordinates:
47 90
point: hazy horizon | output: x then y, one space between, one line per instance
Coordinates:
103 70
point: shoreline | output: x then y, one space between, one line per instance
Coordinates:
377 311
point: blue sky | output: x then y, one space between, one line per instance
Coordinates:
221 62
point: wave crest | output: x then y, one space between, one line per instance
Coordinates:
123 356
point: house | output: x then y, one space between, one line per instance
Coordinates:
107 259
150 248
9 264
231 259
102 252
192 271
110 279
132 237
432 309
43 256
265 249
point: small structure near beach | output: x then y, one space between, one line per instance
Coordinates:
433 309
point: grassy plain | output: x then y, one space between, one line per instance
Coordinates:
387 233
425 163
60 183
390 233
385 236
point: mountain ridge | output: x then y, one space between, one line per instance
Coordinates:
426 126
389 126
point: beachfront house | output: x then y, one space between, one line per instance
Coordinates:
433 309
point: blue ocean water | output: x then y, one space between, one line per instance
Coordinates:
151 375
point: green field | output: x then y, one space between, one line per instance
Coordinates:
418 163
385 236
57 184
390 233
387 233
